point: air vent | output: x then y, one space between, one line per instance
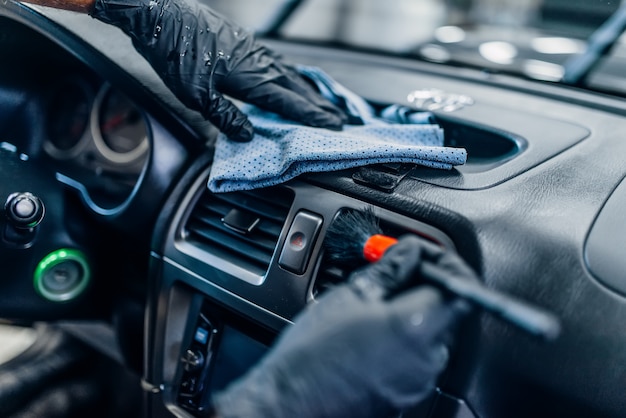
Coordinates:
242 227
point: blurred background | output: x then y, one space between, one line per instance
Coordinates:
533 38
400 24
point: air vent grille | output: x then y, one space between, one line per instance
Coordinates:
242 227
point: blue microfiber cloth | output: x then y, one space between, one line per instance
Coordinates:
283 149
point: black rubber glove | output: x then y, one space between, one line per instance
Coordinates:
364 350
201 56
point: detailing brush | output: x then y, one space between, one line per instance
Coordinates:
356 236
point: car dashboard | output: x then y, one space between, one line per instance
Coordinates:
535 211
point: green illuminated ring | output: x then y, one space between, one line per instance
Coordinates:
57 257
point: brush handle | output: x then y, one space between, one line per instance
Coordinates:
530 318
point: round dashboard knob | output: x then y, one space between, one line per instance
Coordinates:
192 360
24 210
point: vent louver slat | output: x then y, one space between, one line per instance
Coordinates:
207 229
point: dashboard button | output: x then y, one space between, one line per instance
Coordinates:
24 210
300 241
201 335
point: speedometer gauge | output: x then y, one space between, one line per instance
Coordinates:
120 131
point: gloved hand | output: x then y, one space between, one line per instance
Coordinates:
201 56
372 346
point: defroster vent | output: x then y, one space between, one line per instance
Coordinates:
242 227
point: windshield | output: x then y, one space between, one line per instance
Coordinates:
548 40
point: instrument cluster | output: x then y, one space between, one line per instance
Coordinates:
98 139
